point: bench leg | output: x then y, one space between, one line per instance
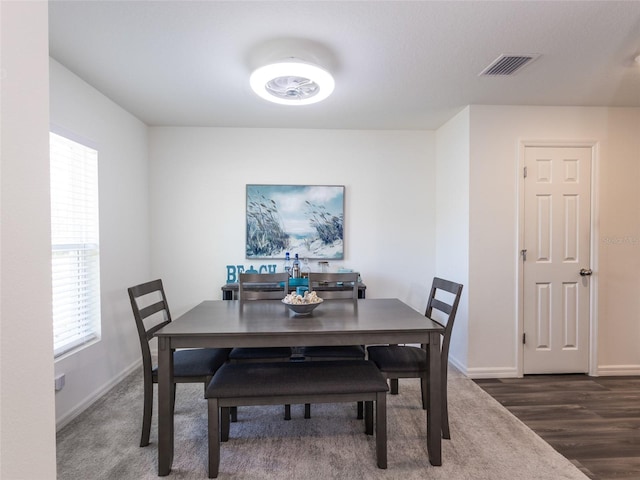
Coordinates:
307 410
234 414
219 418
224 424
287 412
214 436
360 411
368 417
393 384
381 429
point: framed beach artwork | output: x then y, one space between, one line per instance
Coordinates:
303 219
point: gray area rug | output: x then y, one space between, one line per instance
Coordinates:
487 441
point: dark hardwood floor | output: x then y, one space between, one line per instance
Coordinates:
592 421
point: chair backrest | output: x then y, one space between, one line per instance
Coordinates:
446 306
263 286
151 312
330 286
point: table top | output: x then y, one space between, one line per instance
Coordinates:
271 323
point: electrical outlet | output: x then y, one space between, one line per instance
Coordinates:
58 382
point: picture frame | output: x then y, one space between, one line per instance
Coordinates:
303 219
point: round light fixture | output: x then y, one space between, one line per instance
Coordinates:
292 83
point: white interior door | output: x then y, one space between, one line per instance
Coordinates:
556 266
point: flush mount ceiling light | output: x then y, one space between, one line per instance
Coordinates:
292 83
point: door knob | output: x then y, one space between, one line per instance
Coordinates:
585 272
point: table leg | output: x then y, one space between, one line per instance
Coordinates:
434 401
165 410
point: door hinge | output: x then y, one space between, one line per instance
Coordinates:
524 338
525 172
523 254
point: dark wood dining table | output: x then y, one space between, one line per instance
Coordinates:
269 323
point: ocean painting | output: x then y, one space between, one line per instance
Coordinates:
303 219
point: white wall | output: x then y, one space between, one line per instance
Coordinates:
495 136
121 141
198 178
452 223
619 243
27 422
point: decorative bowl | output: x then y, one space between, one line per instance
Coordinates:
302 308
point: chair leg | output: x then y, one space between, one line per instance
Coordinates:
147 412
307 410
368 417
224 424
424 390
214 437
446 434
234 414
173 397
360 409
381 429
394 386
287 412
206 384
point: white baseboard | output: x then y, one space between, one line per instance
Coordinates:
512 372
94 396
461 368
617 370
495 372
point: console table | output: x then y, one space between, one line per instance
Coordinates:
230 290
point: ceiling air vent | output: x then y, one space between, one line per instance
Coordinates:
508 64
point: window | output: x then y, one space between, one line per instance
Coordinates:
75 244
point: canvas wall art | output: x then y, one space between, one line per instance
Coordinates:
303 219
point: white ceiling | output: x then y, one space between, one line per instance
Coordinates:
397 64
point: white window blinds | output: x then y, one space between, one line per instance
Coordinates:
74 244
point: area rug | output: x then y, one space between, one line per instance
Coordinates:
487 442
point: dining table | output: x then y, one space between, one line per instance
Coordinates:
270 323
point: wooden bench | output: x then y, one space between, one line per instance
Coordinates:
296 383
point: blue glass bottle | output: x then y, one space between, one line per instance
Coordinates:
287 263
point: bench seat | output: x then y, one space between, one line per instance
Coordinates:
240 384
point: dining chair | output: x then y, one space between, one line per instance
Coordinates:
406 361
332 286
260 286
151 313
